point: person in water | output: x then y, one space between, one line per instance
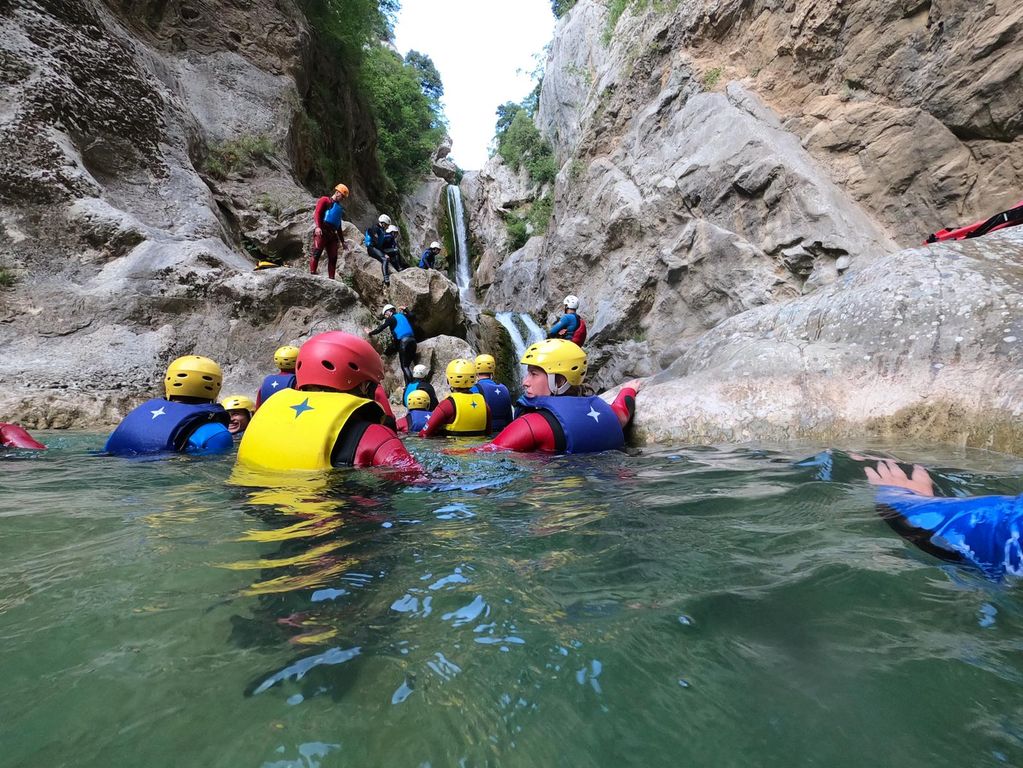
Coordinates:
399 321
240 409
463 412
420 383
15 436
497 396
328 217
186 420
428 259
379 242
418 415
554 416
981 531
331 417
284 359
570 326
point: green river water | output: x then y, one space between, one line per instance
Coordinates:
699 606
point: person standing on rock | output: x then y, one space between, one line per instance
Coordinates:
554 414
463 412
497 396
420 383
380 244
399 322
392 249
429 258
570 326
327 235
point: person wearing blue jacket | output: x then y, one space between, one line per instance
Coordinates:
428 260
399 322
382 244
186 420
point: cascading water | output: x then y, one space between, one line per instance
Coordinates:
522 330
463 274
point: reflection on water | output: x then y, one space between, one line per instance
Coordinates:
705 606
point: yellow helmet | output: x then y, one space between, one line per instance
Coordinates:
558 356
461 373
418 399
238 402
285 357
485 364
193 376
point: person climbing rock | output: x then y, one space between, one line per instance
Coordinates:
420 382
186 420
15 436
328 218
284 359
428 259
497 396
240 409
554 416
331 417
392 249
379 241
419 412
463 412
399 322
570 325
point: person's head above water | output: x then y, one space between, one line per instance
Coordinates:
555 367
240 409
418 400
285 357
193 379
336 361
461 373
485 366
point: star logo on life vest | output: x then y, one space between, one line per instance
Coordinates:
594 415
159 412
274 384
302 408
473 403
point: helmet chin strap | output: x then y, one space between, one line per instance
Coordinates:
555 389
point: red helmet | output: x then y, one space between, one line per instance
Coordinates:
337 360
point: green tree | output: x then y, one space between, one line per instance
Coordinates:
429 77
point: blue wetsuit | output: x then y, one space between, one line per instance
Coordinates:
983 531
568 322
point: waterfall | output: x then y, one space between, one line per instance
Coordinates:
463 275
522 330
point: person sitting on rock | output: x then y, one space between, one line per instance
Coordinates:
429 258
497 396
15 436
554 416
570 326
284 359
240 409
418 415
399 322
327 234
331 418
186 420
981 531
379 241
420 383
392 249
463 412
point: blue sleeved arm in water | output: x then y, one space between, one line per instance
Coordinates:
981 530
209 439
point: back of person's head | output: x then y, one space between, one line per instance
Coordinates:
485 364
338 361
571 302
193 377
285 357
461 373
418 400
420 371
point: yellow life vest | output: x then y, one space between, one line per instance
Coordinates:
298 430
470 414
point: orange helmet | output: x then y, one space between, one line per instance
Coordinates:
342 189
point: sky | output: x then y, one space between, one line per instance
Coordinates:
485 51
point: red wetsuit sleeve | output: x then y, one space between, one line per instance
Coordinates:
624 405
442 415
381 399
403 425
321 208
381 447
13 436
529 432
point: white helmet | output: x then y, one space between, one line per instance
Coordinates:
435 246
384 220
387 308
572 302
420 371
391 229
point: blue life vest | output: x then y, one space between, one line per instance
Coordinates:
402 327
588 424
427 260
417 420
160 425
984 531
498 400
334 215
274 383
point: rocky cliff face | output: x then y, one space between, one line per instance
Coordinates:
149 153
721 159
